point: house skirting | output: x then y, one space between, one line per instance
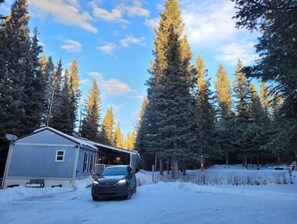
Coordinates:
48 182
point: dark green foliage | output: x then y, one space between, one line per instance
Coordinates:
56 106
92 121
207 132
170 116
278 50
22 85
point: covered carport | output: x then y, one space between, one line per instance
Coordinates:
109 155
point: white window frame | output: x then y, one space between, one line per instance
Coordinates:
91 165
57 155
86 162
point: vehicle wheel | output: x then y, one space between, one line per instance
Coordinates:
134 190
95 198
129 194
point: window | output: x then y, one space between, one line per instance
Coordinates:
60 154
86 161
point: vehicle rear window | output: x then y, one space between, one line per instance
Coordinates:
114 171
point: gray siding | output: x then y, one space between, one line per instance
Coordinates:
45 137
39 161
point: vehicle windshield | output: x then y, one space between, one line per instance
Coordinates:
114 171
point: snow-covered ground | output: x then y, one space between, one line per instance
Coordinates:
232 195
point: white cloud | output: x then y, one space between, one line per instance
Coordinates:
118 13
115 15
83 81
209 21
128 40
230 53
152 22
107 48
111 87
137 10
71 45
64 11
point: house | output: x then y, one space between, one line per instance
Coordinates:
50 155
58 159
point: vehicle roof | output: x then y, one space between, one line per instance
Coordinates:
113 166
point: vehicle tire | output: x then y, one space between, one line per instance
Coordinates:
129 194
95 198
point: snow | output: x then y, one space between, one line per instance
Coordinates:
183 201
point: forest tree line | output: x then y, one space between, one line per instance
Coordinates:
36 92
185 123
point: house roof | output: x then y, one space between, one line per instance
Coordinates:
84 142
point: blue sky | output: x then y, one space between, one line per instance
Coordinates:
112 41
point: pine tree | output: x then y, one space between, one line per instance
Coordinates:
57 106
133 140
206 115
16 51
277 47
225 124
118 137
50 88
92 122
277 102
34 91
171 105
74 94
265 99
108 127
223 91
143 129
243 114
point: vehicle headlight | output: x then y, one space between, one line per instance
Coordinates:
95 182
122 181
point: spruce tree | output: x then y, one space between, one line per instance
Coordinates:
223 92
118 137
50 88
108 127
242 93
34 91
16 50
92 122
206 115
57 106
74 94
225 123
265 99
143 129
171 104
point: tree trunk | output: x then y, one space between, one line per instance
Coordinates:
161 167
174 171
245 160
168 166
156 162
184 169
227 159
